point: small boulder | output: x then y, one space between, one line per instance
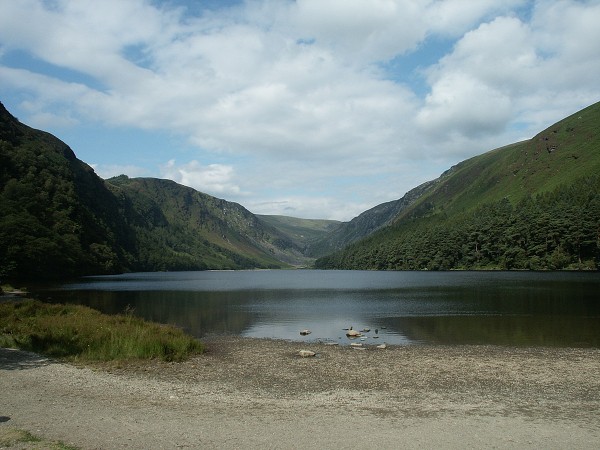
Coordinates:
382 346
305 332
353 333
306 353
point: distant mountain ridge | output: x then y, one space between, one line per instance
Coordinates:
304 233
366 223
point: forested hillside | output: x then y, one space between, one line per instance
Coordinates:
58 219
530 205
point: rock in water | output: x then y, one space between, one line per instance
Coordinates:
306 353
353 333
304 332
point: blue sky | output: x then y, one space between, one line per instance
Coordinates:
308 108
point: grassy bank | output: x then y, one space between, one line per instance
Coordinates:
80 333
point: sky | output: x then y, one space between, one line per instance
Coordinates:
307 108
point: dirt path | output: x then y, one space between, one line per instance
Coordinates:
248 393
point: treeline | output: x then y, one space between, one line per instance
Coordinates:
550 231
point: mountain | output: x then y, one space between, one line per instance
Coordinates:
305 234
530 205
188 224
366 223
58 219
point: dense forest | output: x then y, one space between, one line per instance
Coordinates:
550 231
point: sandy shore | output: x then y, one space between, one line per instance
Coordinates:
250 393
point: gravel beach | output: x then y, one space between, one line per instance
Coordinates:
255 393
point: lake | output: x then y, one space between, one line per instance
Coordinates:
405 308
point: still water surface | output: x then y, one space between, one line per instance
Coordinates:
502 308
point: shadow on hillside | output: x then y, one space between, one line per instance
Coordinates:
11 359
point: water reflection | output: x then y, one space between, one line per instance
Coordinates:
560 309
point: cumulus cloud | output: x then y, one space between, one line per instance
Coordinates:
508 71
362 31
216 179
455 17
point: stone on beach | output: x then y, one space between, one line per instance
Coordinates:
306 353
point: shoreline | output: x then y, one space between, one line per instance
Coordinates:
247 392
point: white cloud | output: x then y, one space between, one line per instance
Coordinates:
455 17
362 31
504 73
215 179
462 105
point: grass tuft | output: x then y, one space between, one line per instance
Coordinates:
11 437
79 333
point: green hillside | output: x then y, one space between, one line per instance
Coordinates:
559 155
530 205
179 228
58 219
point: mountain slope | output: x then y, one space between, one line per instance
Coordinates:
56 216
304 233
366 223
58 219
557 156
195 226
533 204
